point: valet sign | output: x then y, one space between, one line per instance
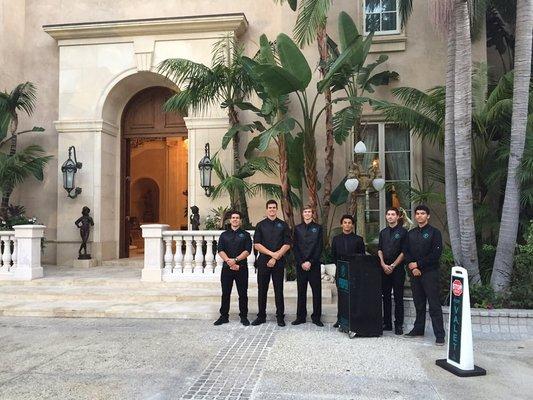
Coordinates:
460 355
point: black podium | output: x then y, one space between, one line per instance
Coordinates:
359 296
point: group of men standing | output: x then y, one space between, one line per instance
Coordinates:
416 252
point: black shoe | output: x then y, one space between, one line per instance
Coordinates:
336 324
317 322
281 322
221 320
439 341
298 322
258 321
387 327
245 321
398 330
413 333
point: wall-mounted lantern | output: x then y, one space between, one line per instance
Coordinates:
69 169
206 167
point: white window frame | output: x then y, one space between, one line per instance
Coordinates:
398 21
381 154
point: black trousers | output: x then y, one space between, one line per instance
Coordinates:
313 278
426 287
393 283
241 281
264 274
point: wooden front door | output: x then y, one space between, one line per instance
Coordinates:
144 123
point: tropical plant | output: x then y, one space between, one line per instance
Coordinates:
15 166
225 84
503 263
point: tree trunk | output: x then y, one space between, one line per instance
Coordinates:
310 167
8 190
241 203
450 173
360 217
503 262
286 205
330 150
463 139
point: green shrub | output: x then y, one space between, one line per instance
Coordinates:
484 296
486 255
520 294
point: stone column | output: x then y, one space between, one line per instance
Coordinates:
28 239
154 252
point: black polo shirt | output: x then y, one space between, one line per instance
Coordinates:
344 246
272 234
391 242
234 242
307 242
424 246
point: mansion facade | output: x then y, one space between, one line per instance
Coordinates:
94 63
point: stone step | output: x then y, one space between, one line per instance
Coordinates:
114 309
140 295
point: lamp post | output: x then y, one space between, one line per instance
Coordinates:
206 167
358 182
69 169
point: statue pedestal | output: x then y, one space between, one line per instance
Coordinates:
85 263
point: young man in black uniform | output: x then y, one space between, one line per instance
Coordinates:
234 246
272 239
307 248
390 253
346 245
423 249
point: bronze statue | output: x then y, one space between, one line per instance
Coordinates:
84 223
195 218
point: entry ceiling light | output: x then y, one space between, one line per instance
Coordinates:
206 167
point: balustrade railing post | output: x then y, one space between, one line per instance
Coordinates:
178 255
28 247
209 256
153 252
188 258
199 255
168 257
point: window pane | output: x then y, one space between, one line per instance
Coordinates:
372 200
396 138
372 225
397 195
372 6
388 5
397 167
368 159
370 137
372 22
388 21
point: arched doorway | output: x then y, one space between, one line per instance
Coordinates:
154 167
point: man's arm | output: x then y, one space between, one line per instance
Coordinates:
258 240
436 251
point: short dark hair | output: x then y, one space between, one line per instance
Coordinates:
307 207
348 216
272 201
232 212
393 209
422 207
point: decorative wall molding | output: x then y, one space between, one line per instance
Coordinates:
236 23
388 43
86 126
206 123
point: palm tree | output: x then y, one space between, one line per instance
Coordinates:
21 98
503 262
225 83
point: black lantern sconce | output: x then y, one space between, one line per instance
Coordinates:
206 167
69 169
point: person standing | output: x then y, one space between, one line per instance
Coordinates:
272 239
423 249
307 248
344 246
234 246
391 257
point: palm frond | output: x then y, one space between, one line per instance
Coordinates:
343 122
25 163
406 8
312 14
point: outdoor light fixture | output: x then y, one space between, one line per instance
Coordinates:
359 148
206 166
69 169
351 184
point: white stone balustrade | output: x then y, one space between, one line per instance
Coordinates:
175 255
20 249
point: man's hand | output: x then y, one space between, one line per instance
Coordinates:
416 272
413 265
271 263
276 255
235 267
306 266
231 262
387 269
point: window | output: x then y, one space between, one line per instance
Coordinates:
391 146
381 16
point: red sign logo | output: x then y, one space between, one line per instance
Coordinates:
457 287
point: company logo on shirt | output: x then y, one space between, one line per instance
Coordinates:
279 225
396 236
314 230
425 235
241 235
